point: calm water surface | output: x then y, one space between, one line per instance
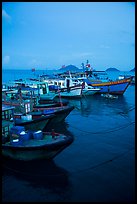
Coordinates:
99 166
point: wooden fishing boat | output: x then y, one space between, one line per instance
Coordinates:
48 104
25 120
74 91
41 117
60 114
112 87
86 90
39 89
33 124
64 87
36 145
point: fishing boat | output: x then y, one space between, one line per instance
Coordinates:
25 98
106 85
52 103
40 115
33 124
60 113
86 89
25 120
21 98
28 146
32 118
71 92
40 89
68 80
117 87
64 87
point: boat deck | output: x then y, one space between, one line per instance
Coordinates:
39 142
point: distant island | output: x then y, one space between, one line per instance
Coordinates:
69 68
112 69
132 70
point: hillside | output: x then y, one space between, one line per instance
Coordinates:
69 68
132 70
112 69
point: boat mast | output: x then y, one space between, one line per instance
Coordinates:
82 65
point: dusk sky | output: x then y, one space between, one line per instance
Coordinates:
47 35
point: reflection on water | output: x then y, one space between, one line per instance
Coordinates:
38 175
97 105
62 128
82 105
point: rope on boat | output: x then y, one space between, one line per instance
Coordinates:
102 132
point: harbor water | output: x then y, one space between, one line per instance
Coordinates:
99 166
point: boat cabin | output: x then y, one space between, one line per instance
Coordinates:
7 115
7 112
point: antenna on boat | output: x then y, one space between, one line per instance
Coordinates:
70 74
33 70
31 101
82 65
60 100
87 65
20 94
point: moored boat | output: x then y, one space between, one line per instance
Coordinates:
48 104
71 92
25 120
60 114
64 87
117 87
33 124
27 146
88 90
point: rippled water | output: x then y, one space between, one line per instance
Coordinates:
98 166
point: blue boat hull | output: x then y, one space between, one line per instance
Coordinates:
115 87
37 149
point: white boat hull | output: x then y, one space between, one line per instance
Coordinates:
89 92
72 92
49 96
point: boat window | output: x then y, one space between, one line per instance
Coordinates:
7 114
27 107
5 130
